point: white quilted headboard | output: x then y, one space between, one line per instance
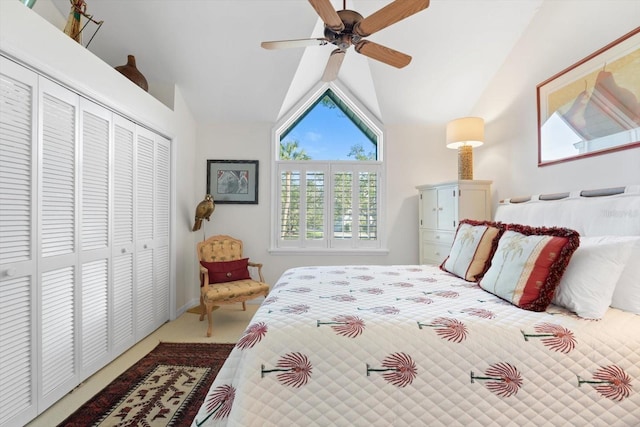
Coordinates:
610 211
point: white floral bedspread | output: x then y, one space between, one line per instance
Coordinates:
415 346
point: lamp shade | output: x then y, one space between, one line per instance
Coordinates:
467 131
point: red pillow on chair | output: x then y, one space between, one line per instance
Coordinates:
226 271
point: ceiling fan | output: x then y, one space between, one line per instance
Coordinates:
344 28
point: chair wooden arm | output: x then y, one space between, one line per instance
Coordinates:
204 273
258 265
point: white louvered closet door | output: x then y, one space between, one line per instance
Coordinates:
145 216
95 252
161 229
58 241
18 145
123 240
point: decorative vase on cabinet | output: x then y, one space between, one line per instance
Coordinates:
441 207
130 71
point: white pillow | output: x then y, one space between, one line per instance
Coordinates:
627 293
588 283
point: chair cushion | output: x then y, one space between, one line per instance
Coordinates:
227 271
236 291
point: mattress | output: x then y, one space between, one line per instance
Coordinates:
412 346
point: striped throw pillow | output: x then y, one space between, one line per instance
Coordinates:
529 263
472 249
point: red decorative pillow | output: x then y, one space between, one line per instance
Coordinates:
472 249
227 271
529 263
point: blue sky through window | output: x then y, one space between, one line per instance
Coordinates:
328 134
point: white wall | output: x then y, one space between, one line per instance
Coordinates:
184 154
561 34
411 159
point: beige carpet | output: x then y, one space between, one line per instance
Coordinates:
198 310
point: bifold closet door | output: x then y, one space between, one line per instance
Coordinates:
95 252
162 201
123 253
18 196
58 241
145 217
152 231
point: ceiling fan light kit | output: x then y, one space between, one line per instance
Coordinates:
346 28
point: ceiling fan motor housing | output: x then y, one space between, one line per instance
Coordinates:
346 37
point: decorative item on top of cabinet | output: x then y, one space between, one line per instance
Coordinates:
73 27
441 207
130 71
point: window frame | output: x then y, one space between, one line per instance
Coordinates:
328 245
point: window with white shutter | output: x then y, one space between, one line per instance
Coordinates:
328 182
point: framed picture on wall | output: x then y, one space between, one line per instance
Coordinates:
592 107
233 181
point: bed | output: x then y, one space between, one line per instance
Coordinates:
409 345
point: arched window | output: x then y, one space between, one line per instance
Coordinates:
328 170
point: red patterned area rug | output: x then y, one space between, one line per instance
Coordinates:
164 388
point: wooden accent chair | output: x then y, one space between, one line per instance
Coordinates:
225 276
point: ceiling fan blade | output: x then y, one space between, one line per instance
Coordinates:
328 14
285 44
383 54
333 65
388 15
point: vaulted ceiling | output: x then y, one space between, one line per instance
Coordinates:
211 50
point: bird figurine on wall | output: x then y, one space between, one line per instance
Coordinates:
203 211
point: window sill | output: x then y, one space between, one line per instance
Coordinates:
328 252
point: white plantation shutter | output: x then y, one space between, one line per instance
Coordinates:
303 190
366 223
314 205
343 192
95 344
355 204
328 205
289 205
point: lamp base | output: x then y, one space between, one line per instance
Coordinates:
465 162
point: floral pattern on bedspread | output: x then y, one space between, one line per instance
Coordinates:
413 345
